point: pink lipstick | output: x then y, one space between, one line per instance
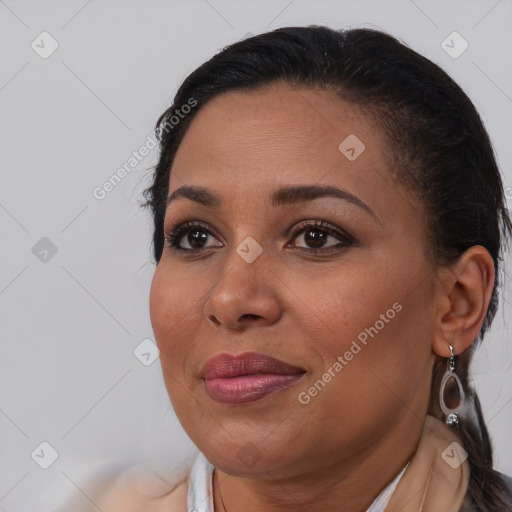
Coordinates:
247 377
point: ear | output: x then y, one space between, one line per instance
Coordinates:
463 292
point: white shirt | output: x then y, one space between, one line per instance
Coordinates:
200 495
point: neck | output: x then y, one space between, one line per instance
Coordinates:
345 486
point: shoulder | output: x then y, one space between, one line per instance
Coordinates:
175 501
136 491
145 493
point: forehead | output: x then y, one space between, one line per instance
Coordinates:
276 134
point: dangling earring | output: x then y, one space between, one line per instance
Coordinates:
452 415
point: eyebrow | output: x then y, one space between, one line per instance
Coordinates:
281 197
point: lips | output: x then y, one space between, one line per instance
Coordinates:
247 377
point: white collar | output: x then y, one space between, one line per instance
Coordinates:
200 495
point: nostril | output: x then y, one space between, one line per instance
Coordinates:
213 319
249 316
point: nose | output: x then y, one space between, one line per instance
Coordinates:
246 294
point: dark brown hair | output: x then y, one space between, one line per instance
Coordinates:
440 150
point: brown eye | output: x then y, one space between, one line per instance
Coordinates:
196 238
315 238
320 235
190 237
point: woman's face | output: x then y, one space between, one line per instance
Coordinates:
349 305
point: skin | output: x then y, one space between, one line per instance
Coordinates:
342 448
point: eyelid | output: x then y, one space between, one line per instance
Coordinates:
180 228
333 230
174 234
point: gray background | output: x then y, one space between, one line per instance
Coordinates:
70 323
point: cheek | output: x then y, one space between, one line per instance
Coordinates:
385 344
341 305
160 304
378 321
172 306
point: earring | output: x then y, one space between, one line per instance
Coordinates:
452 414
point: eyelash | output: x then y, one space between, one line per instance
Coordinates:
174 235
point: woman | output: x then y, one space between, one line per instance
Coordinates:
328 225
